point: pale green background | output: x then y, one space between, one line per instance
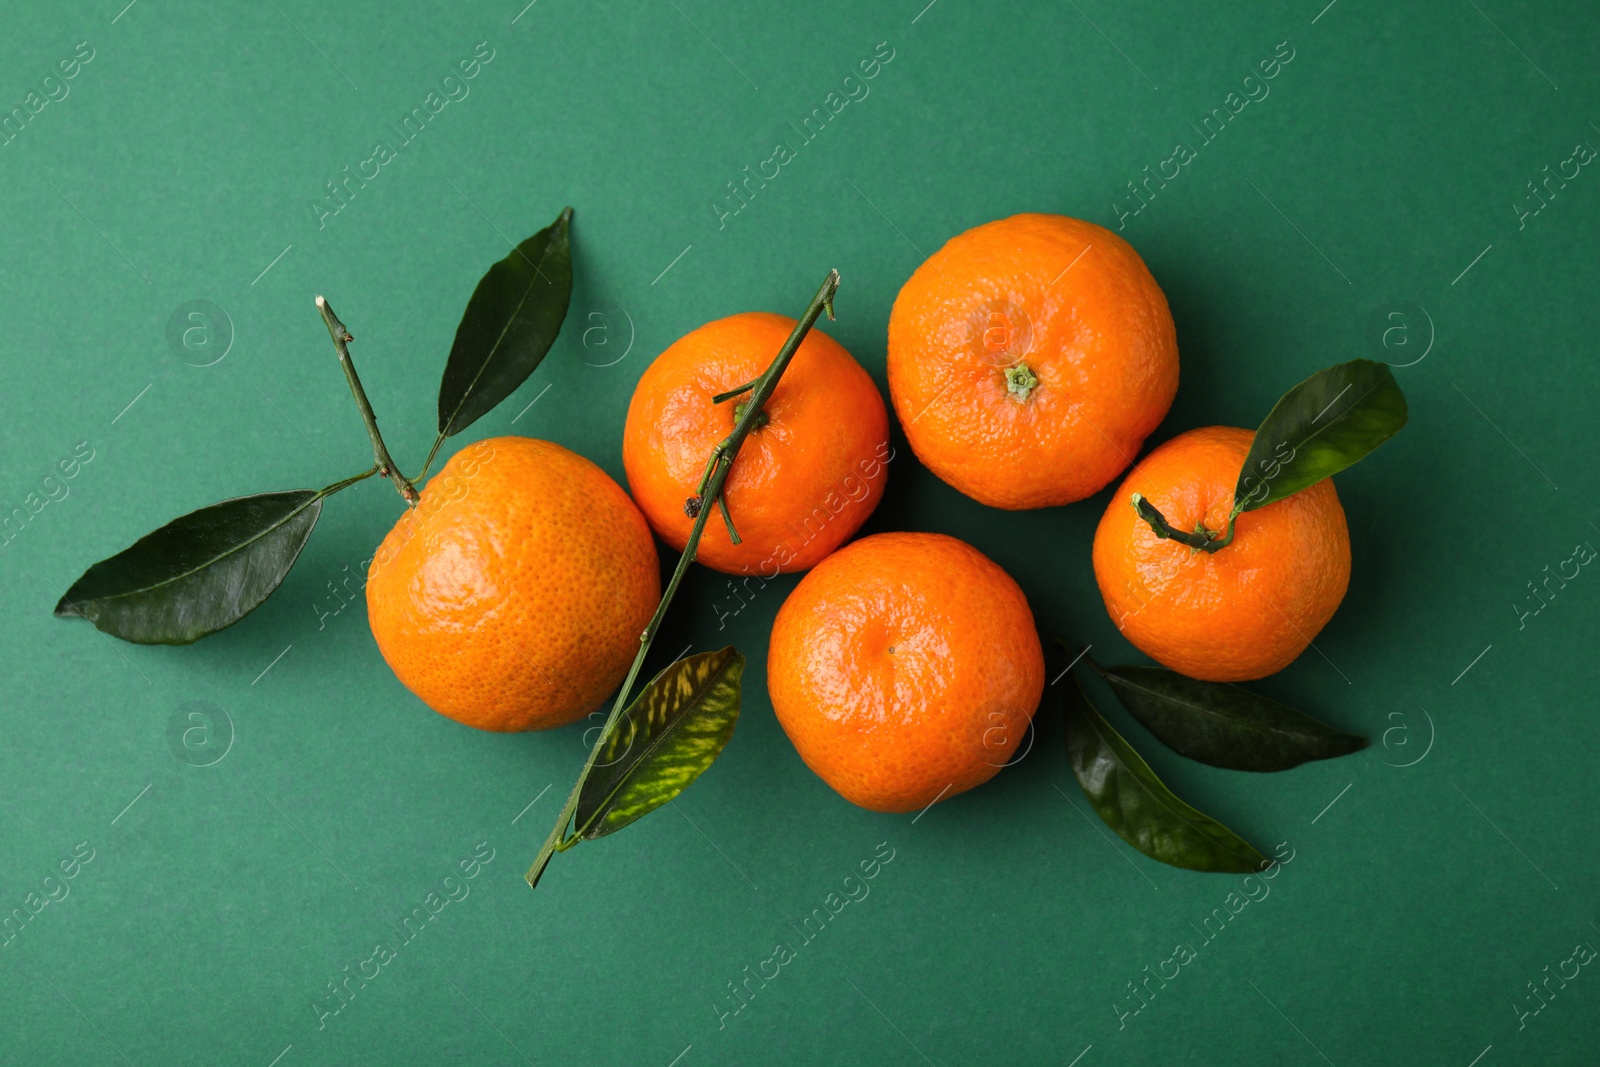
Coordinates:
1386 160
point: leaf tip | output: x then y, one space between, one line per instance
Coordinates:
66 609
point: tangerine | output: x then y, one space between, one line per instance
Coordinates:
807 476
905 668
1029 358
513 595
1241 612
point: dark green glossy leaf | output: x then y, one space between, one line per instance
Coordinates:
510 323
663 741
1319 428
1133 801
198 573
1222 724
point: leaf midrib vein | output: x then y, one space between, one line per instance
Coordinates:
212 562
1202 709
608 802
1343 414
538 272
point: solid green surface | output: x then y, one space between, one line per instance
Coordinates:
1381 175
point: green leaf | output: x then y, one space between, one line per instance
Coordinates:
199 573
662 741
1133 801
1222 724
1319 428
510 323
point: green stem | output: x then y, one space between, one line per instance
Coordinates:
428 463
745 388
348 482
1201 539
380 454
722 505
722 458
705 476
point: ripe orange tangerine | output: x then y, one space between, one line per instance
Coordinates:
806 478
1029 358
1241 612
905 668
513 596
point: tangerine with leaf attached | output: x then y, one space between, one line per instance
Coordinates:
1244 610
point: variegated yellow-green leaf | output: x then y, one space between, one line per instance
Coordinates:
663 741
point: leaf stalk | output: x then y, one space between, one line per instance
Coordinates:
346 483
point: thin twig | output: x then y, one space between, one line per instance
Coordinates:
380 454
348 482
731 393
722 505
